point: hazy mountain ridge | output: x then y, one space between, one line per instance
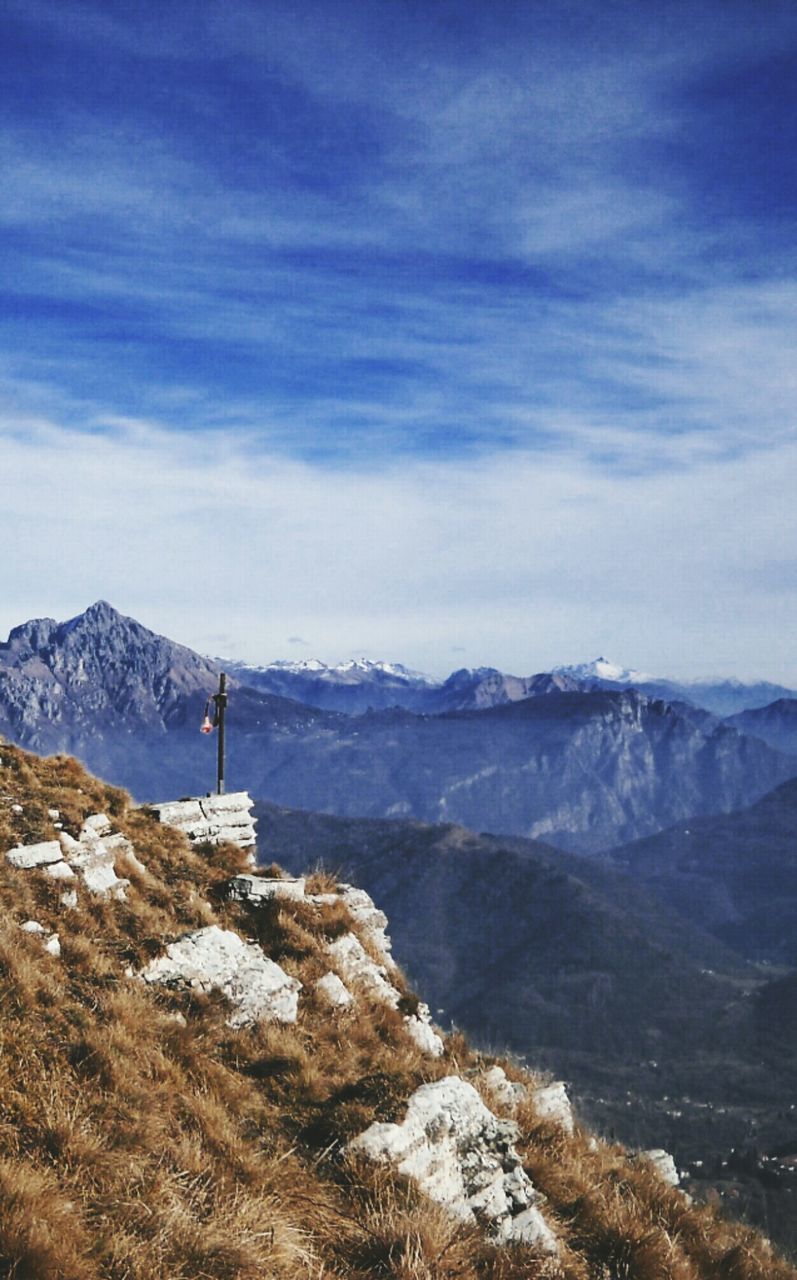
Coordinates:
582 770
775 724
734 875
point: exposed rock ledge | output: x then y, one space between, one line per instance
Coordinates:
210 819
215 959
463 1157
355 967
91 859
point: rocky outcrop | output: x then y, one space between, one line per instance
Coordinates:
359 971
215 959
211 819
334 992
356 968
552 1103
463 1157
257 890
27 856
89 859
507 1093
664 1165
371 922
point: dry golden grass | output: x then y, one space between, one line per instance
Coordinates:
141 1137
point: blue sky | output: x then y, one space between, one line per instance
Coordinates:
450 333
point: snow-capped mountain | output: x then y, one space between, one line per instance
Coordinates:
352 686
602 669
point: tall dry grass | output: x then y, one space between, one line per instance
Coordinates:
140 1137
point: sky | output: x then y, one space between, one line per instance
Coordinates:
448 333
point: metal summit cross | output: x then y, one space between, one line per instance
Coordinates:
220 699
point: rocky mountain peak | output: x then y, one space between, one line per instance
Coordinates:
99 662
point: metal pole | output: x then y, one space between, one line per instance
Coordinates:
220 700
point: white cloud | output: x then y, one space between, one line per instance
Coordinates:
522 559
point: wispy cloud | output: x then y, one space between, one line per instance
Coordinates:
527 560
491 303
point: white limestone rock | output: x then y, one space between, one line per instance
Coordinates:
27 856
128 853
98 823
50 941
215 959
92 857
371 921
420 1029
507 1093
357 969
552 1103
211 819
664 1165
361 972
323 899
69 899
259 889
462 1157
334 992
59 871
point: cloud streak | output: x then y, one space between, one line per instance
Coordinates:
524 561
479 319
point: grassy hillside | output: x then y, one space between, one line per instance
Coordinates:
141 1137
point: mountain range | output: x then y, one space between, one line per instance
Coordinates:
630 922
360 684
585 768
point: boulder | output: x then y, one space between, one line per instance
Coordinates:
552 1103
28 856
663 1163
93 856
259 889
420 1029
335 992
357 969
462 1157
507 1093
210 819
371 921
215 959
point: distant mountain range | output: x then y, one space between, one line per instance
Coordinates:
361 685
585 768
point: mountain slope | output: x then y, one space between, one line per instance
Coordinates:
775 724
145 1133
733 875
519 943
579 770
666 1038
